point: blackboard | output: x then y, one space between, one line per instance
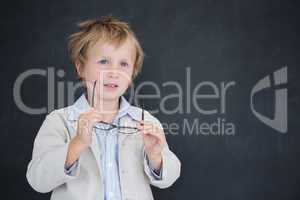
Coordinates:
226 47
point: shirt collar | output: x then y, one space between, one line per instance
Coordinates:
81 105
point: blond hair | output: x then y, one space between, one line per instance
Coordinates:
107 28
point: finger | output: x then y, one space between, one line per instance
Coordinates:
150 128
143 130
149 140
147 128
94 111
95 119
151 135
149 125
153 130
95 114
159 134
140 126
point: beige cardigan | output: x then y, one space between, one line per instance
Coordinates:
46 172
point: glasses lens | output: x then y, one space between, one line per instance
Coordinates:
102 126
128 130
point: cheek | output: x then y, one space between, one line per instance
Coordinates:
92 73
126 76
126 82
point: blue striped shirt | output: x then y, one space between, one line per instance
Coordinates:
108 144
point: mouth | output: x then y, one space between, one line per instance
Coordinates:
111 85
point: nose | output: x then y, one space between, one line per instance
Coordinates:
113 72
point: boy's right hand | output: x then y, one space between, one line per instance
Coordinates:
85 125
83 137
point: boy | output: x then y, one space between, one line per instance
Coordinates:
83 151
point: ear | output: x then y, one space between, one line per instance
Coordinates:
79 66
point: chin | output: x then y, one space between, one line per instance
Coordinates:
111 97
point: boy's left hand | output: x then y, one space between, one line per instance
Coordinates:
154 141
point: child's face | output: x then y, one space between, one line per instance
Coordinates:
112 66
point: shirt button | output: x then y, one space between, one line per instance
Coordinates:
110 165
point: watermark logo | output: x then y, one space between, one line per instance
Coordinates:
279 122
207 99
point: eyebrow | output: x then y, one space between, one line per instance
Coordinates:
124 60
107 57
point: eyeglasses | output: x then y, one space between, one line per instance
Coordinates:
105 126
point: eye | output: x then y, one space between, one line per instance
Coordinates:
124 64
103 61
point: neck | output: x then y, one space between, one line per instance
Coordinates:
107 106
